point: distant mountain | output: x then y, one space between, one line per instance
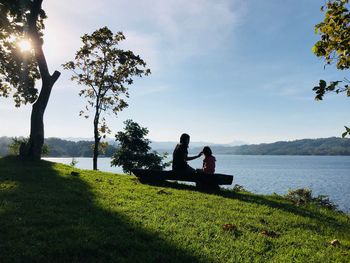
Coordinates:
169 146
62 148
65 148
82 148
110 141
323 146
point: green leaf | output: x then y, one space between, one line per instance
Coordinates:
347 132
323 84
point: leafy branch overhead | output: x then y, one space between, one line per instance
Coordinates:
14 19
323 88
334 45
334 31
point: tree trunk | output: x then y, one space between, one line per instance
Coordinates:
97 141
34 146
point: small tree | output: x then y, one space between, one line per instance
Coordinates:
106 72
22 62
334 46
134 150
17 144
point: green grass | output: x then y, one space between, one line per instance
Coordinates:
47 215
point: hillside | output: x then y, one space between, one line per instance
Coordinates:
62 148
323 146
48 215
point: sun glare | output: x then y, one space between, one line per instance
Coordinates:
24 45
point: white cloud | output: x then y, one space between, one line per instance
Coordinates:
161 31
144 45
151 90
296 86
192 27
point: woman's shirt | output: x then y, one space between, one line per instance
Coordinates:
179 157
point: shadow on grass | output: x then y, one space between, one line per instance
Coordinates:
45 217
273 202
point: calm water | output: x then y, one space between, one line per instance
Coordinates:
327 175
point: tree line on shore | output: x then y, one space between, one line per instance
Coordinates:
325 146
61 148
133 151
321 146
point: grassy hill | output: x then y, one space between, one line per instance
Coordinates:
48 215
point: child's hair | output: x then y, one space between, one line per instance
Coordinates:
207 151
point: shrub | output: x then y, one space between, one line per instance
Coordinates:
303 196
14 147
134 150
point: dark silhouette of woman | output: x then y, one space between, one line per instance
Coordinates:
180 155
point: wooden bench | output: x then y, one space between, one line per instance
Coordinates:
201 179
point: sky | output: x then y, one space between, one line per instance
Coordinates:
222 71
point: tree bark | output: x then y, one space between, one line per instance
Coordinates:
34 146
36 140
97 140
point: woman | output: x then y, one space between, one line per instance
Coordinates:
180 155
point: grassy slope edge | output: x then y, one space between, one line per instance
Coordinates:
48 215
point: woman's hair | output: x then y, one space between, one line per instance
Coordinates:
184 138
207 151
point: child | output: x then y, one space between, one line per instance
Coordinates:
209 161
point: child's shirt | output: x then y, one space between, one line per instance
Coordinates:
209 164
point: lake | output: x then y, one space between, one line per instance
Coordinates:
326 175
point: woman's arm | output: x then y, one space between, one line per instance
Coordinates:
187 158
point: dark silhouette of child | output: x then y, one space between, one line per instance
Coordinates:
209 161
180 155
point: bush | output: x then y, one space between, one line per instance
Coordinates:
238 188
299 196
16 144
134 150
303 196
